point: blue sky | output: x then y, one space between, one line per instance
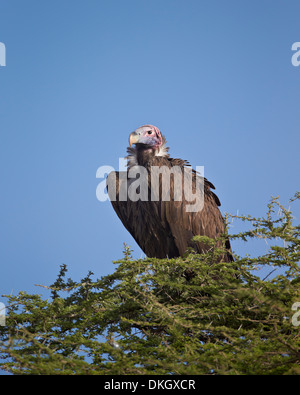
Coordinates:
216 77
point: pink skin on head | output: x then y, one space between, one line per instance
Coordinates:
146 134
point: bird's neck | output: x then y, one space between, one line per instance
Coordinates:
144 154
141 155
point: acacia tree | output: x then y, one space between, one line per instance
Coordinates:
190 315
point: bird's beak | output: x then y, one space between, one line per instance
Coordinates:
133 138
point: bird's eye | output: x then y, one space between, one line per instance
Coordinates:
150 132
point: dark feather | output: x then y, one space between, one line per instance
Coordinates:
165 228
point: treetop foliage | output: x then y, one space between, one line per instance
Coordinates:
190 315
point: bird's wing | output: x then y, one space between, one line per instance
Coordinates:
184 223
140 218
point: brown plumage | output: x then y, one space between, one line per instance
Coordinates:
163 228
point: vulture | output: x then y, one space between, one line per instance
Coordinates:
150 199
